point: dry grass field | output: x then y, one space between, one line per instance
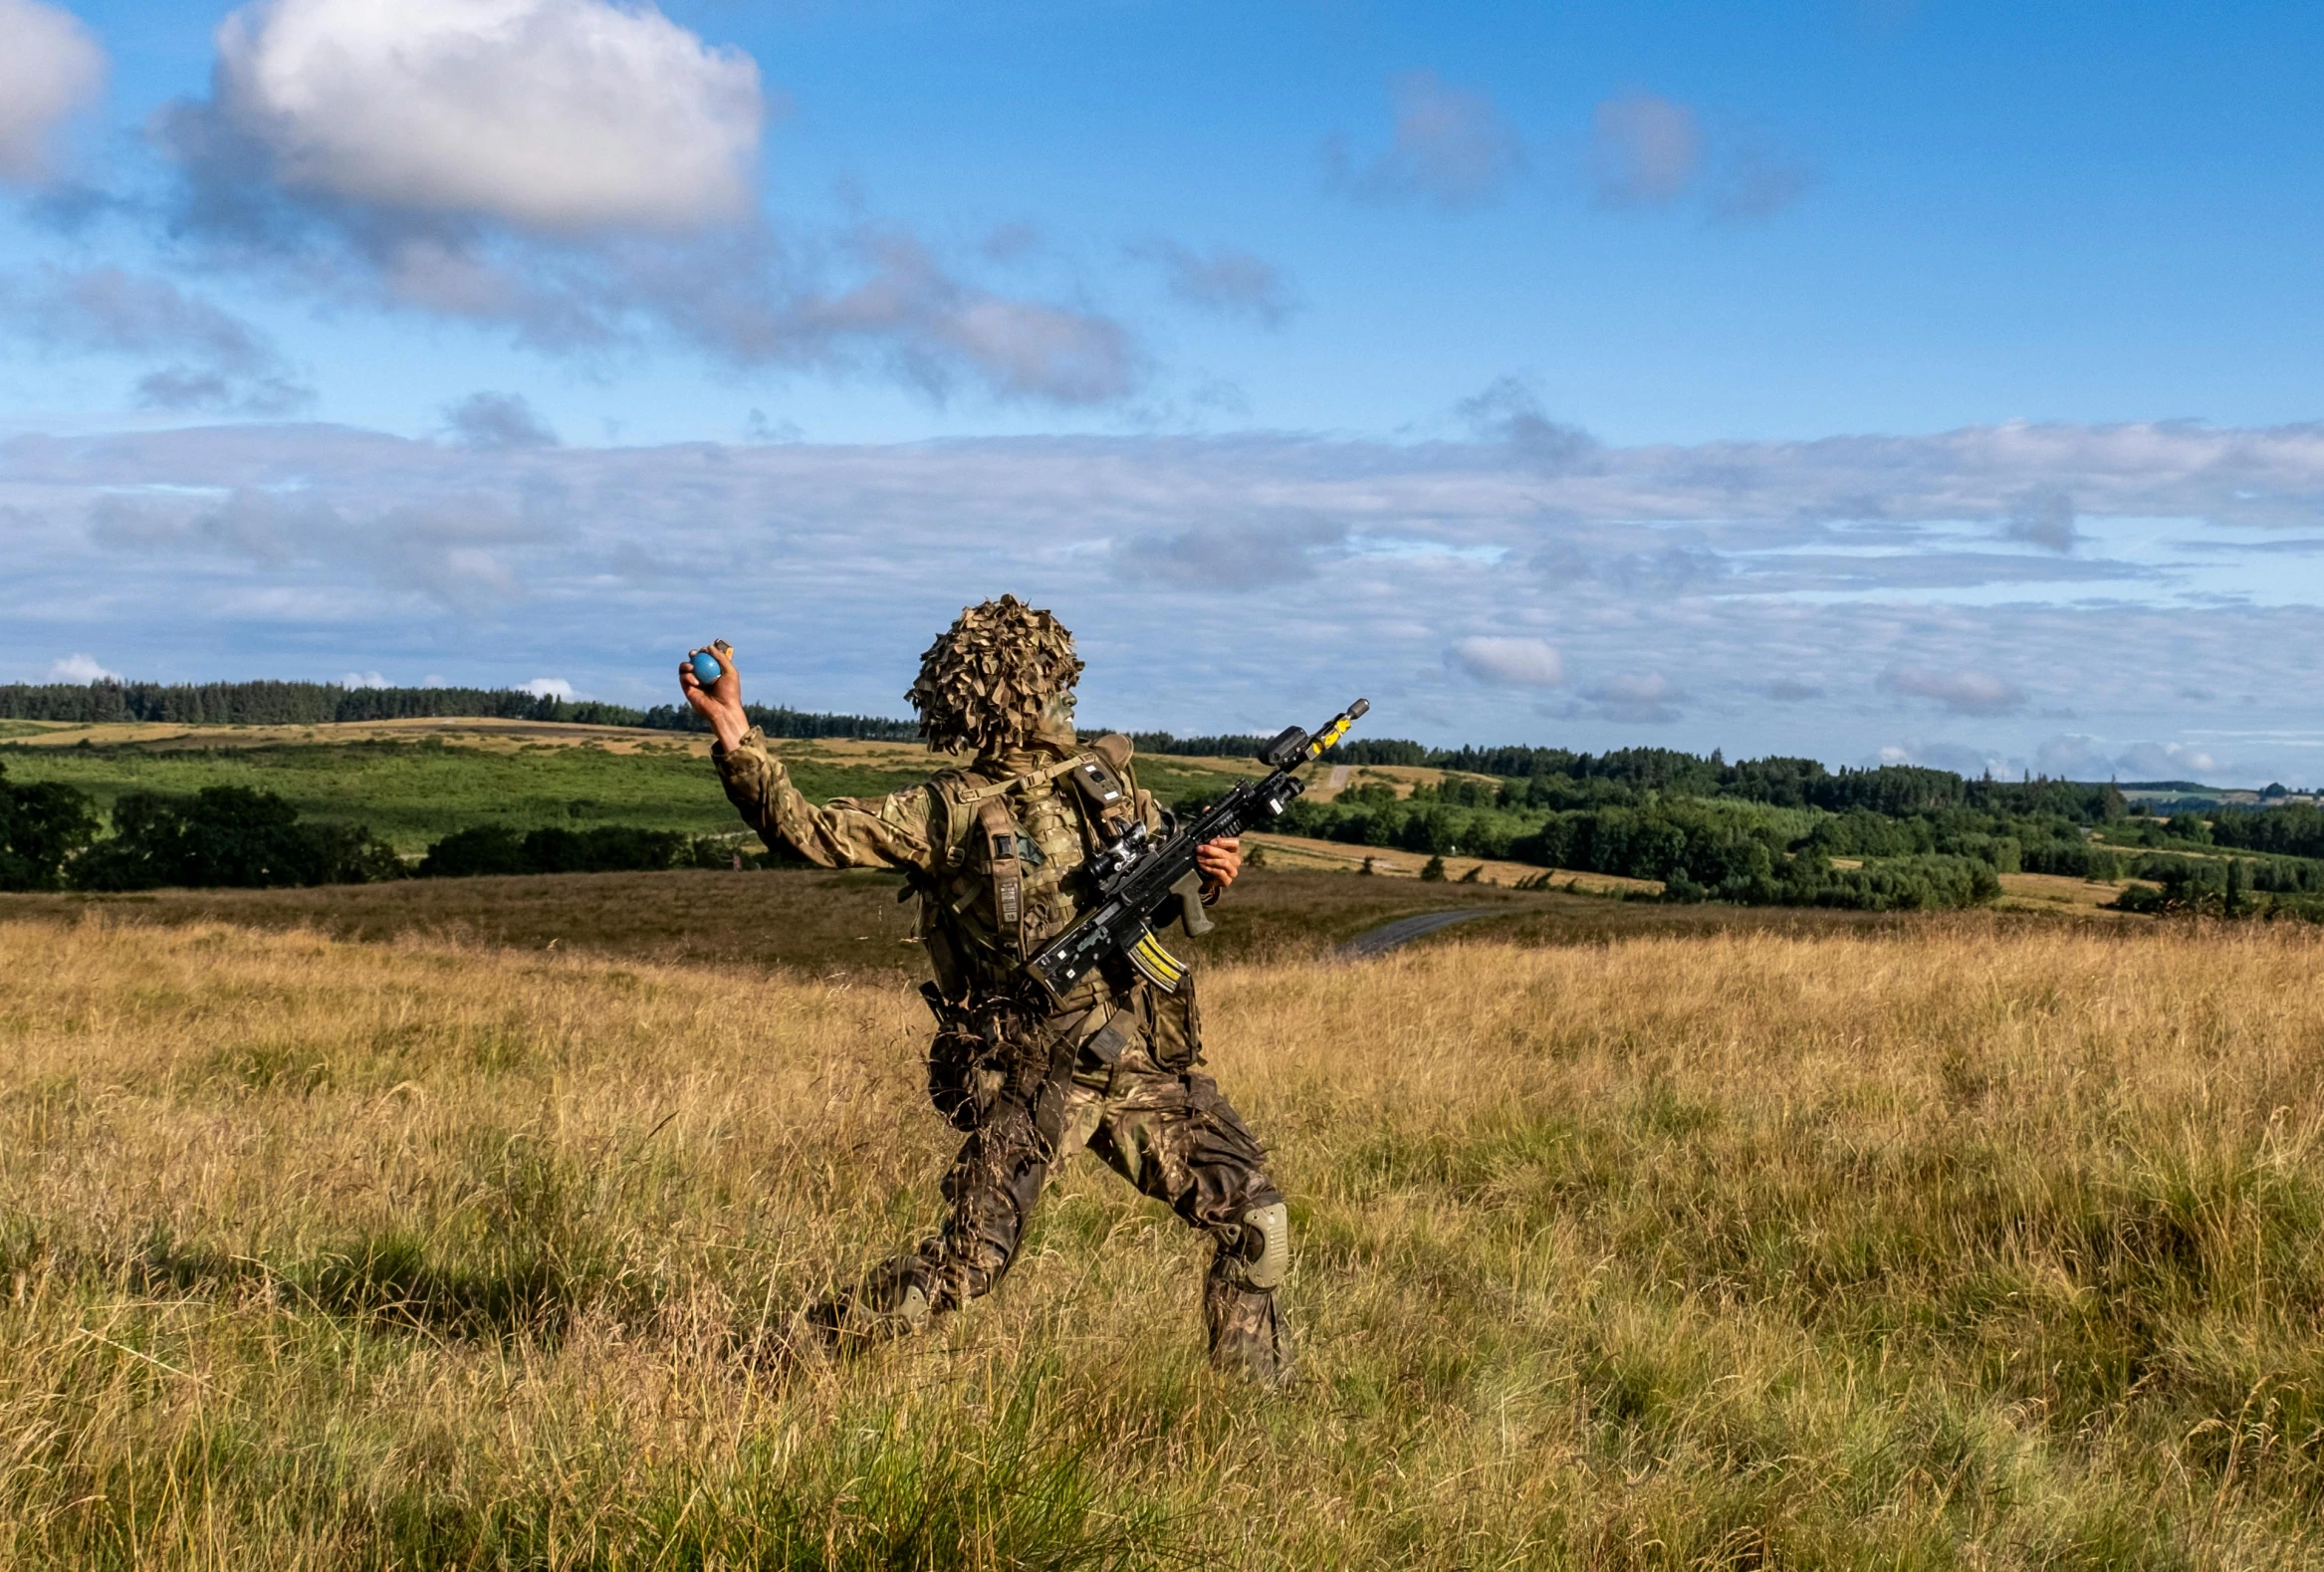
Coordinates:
1982 1245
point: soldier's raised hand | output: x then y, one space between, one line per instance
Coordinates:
721 702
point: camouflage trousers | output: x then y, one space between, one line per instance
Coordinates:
1172 1134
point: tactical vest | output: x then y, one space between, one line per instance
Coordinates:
1007 876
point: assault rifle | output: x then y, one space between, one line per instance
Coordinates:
1139 875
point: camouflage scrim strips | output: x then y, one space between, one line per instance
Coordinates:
983 682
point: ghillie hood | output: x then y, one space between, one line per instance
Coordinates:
984 681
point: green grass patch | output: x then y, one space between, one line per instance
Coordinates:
413 792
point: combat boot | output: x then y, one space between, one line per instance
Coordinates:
893 1303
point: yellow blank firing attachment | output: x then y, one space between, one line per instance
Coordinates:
1331 733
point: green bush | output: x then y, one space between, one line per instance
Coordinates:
607 848
42 826
226 837
2076 858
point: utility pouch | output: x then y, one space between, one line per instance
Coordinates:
1174 1026
1100 785
1005 868
1106 1043
1108 801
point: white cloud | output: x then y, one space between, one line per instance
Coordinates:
932 322
1515 662
2082 757
1962 691
50 66
1758 179
1647 151
1724 568
365 679
214 361
2166 762
452 548
80 668
2043 516
1644 149
873 297
580 174
1225 281
550 688
499 423
550 114
1452 146
1228 558
2073 757
1642 698
1507 410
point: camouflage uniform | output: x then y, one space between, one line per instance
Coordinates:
992 851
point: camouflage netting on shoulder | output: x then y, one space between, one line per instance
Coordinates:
985 680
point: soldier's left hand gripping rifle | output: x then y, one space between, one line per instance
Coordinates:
1139 875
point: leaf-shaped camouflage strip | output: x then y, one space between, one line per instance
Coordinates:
984 681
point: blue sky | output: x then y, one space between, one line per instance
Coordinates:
1859 378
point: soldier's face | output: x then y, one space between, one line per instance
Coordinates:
1056 717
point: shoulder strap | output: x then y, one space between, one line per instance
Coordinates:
951 790
974 787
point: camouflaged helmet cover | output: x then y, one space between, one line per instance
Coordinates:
984 681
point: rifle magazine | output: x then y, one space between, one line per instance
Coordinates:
1155 964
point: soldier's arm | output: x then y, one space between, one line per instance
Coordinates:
847 832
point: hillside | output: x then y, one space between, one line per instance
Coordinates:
1637 823
413 781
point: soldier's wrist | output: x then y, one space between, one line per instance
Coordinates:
721 750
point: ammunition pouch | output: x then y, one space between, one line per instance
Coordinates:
1173 1026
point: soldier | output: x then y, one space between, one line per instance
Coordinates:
994 851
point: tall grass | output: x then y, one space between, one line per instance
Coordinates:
1972 1247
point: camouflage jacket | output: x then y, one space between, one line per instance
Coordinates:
949 834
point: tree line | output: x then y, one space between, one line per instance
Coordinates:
1544 777
323 703
1715 848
